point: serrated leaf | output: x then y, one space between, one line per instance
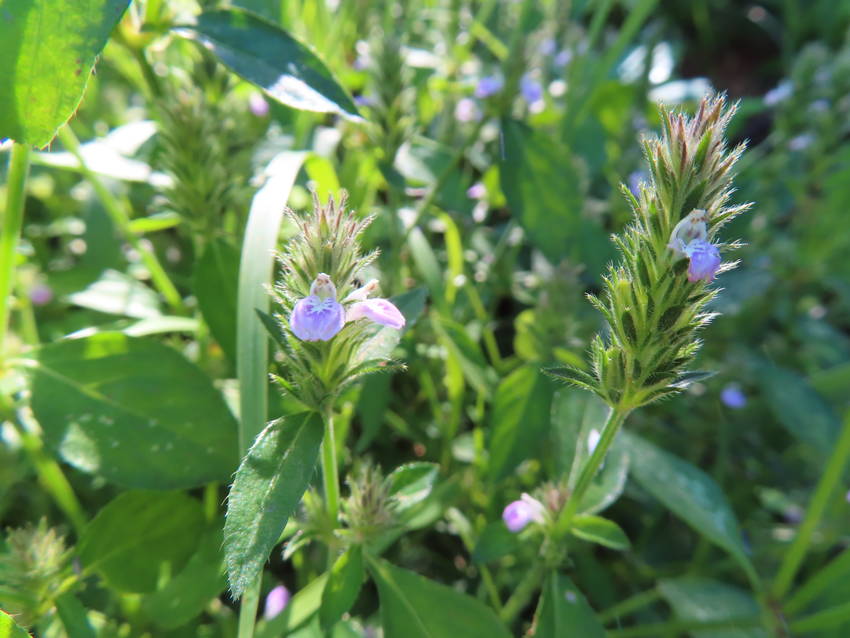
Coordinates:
601 531
133 536
9 628
271 58
133 411
520 419
48 50
414 607
564 612
344 582
268 487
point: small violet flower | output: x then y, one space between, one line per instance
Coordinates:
467 110
488 86
378 310
531 90
319 316
476 191
733 397
705 260
257 104
520 513
276 602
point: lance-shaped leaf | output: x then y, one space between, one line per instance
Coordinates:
267 489
563 611
271 58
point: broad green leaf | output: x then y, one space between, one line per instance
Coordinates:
9 628
373 403
705 600
74 617
303 605
188 593
799 408
601 531
116 293
268 487
271 58
215 283
131 539
411 483
688 492
344 582
542 188
414 607
133 411
519 419
495 541
563 612
48 49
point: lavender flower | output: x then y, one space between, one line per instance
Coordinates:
467 110
691 227
378 310
257 104
476 191
705 260
530 89
488 86
520 513
319 316
733 397
41 294
276 602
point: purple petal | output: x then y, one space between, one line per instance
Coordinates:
530 89
276 602
488 86
517 515
733 397
378 310
315 319
258 105
705 260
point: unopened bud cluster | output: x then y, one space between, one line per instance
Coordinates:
655 299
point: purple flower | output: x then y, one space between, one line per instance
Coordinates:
705 260
467 110
257 104
378 310
530 89
692 226
635 179
319 316
488 86
476 191
363 100
276 602
563 58
733 397
41 294
520 513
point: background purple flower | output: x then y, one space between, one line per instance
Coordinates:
530 89
733 397
276 602
41 294
488 86
467 110
476 191
257 104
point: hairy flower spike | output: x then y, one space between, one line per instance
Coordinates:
654 300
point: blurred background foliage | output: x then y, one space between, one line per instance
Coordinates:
496 135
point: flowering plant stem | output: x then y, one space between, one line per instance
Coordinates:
330 472
248 609
524 591
12 222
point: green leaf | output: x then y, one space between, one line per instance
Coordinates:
601 531
215 284
468 354
271 58
344 582
74 617
495 541
688 492
411 483
520 419
9 628
563 611
303 605
131 539
187 594
48 50
118 294
799 408
133 411
268 487
414 607
542 188
705 600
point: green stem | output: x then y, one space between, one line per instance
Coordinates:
248 609
609 431
121 218
12 222
522 594
330 473
629 606
824 490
